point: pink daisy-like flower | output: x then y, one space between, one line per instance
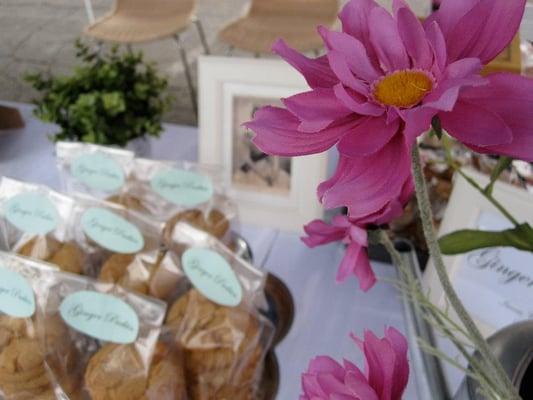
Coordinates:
385 378
385 78
355 260
352 231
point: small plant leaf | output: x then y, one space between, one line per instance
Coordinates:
463 241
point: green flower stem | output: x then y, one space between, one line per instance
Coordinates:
479 342
436 318
485 193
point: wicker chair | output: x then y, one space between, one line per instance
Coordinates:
293 20
137 21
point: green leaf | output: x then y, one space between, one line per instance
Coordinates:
503 164
113 103
463 241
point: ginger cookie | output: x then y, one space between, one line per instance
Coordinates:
116 372
127 271
22 371
11 328
213 222
221 346
129 202
166 379
68 258
40 247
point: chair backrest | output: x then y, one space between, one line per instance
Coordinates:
321 9
149 8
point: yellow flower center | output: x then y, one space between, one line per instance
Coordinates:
403 89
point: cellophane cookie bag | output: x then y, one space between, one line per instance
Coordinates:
99 171
110 347
34 222
214 314
119 245
181 191
23 375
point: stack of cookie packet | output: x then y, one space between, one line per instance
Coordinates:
126 287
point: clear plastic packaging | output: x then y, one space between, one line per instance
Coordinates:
110 345
34 223
23 374
215 317
119 245
180 191
99 171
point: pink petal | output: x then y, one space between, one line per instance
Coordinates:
316 72
354 18
356 262
414 38
385 39
333 386
509 96
353 369
485 30
326 365
342 70
341 221
319 233
381 361
277 133
462 73
474 124
438 45
417 121
461 40
311 387
316 109
354 52
367 184
367 138
356 102
401 367
360 387
450 12
358 235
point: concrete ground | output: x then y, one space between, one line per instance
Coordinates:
38 35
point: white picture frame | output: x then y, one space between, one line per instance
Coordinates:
229 87
464 211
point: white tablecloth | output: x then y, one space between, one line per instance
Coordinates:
325 312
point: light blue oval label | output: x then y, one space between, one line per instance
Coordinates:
211 274
32 213
111 231
16 295
184 188
100 316
98 171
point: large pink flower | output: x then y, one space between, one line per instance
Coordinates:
385 377
385 78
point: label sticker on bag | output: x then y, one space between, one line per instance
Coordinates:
111 231
98 171
32 213
16 295
211 274
184 188
100 316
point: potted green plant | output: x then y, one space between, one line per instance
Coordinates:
112 98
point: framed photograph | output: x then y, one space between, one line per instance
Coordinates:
495 284
278 192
